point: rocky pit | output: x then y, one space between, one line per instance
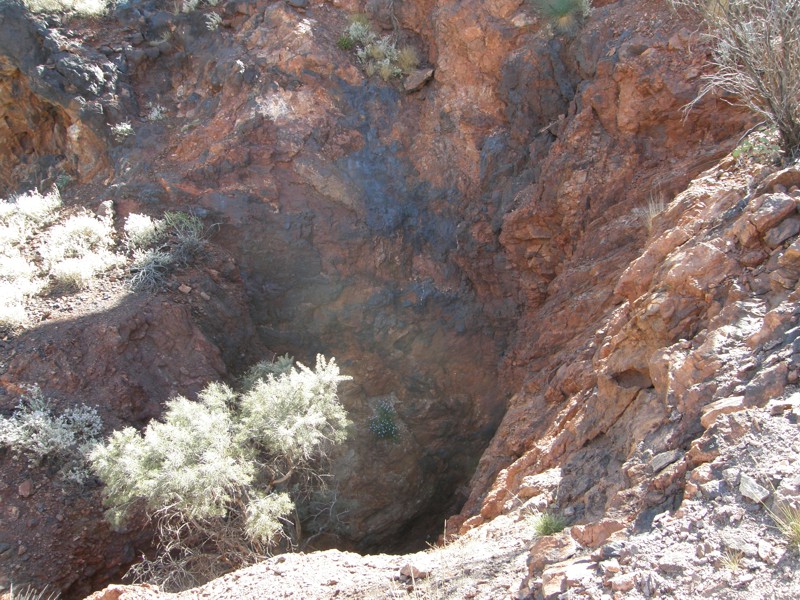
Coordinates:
475 252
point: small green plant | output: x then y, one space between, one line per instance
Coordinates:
383 424
565 16
345 42
548 523
759 146
222 475
35 431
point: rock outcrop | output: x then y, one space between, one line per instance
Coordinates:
478 252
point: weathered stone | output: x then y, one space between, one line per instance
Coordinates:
750 489
721 407
623 583
549 550
25 488
592 535
769 383
774 209
782 232
414 81
659 461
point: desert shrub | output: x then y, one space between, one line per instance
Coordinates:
757 59
150 269
564 15
221 475
161 245
156 112
76 250
35 431
548 523
377 55
407 59
142 231
121 131
265 369
213 21
86 8
29 593
20 218
383 425
187 235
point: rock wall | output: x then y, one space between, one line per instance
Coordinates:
458 249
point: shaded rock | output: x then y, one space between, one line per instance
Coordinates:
414 81
25 488
750 489
782 232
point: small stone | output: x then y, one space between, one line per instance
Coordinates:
751 490
660 461
205 296
22 550
297 3
623 583
411 572
184 289
4 548
417 79
25 488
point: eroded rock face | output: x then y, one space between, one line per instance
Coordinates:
452 248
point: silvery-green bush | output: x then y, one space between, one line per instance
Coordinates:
222 475
40 434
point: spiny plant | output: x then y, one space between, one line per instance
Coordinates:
224 477
564 15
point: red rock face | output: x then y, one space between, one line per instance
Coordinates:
453 248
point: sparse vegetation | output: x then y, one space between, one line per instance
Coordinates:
377 55
787 520
85 8
213 21
223 475
548 523
758 146
160 245
30 593
156 112
757 59
121 131
565 16
732 559
383 424
64 440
